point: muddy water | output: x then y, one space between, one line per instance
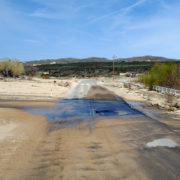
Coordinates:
71 112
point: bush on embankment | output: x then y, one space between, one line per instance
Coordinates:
11 67
166 75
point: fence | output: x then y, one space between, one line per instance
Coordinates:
166 90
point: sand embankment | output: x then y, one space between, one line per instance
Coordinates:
35 89
20 134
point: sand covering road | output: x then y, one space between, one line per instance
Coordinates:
98 149
110 149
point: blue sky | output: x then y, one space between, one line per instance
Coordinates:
41 29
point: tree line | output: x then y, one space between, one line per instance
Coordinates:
93 68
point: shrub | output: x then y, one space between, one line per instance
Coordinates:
167 75
11 67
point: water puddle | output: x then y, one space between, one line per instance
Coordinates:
71 112
113 108
164 142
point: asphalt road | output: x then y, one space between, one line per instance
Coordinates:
81 90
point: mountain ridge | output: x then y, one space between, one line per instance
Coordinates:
147 58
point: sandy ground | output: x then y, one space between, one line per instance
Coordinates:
28 151
20 134
79 153
35 89
100 149
152 103
135 93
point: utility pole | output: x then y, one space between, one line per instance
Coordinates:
114 57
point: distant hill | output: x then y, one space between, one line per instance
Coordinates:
96 59
147 58
65 61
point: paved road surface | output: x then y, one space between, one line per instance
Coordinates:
81 90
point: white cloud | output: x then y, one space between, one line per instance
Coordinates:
136 4
165 5
42 13
14 19
59 11
160 20
103 17
122 11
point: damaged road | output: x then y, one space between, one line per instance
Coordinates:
93 134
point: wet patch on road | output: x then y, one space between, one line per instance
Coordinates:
72 112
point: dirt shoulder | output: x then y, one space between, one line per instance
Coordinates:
20 134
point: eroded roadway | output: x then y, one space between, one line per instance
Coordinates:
100 139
